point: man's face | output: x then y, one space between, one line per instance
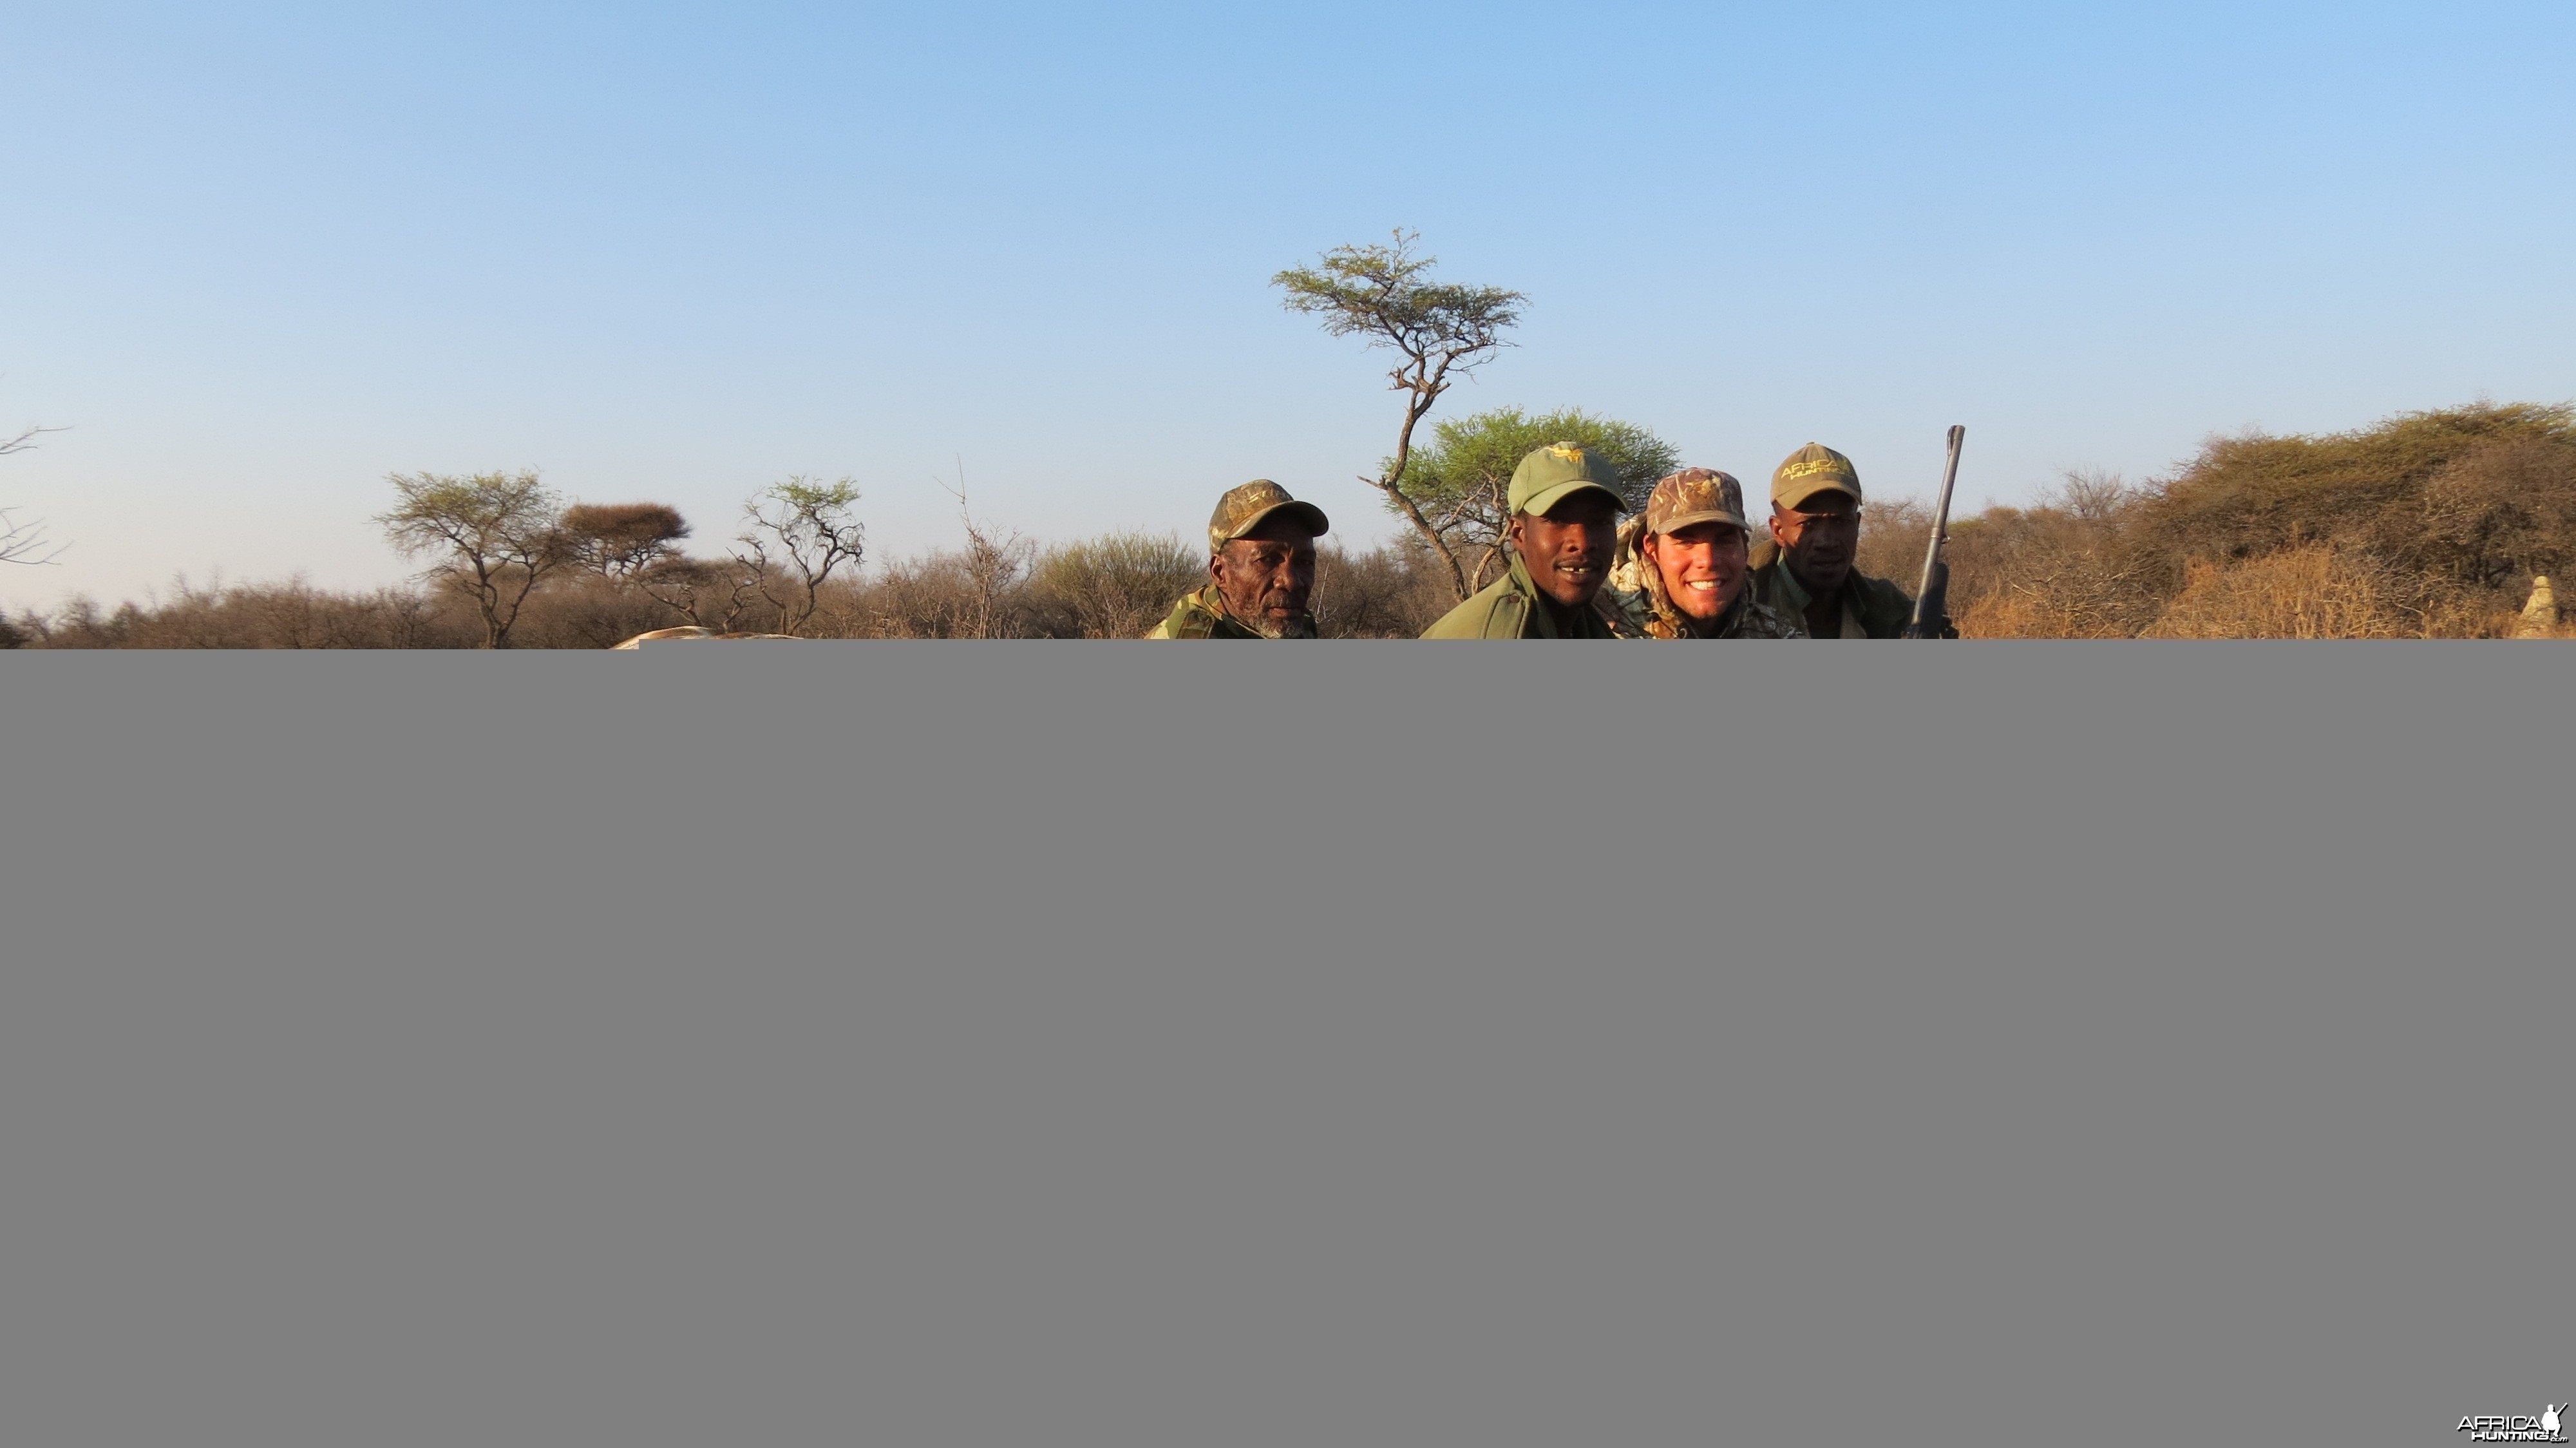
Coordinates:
1702 567
1818 537
1567 548
1268 575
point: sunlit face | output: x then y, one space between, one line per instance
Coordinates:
1567 549
1702 567
1267 576
1818 538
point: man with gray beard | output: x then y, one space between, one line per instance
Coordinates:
1261 569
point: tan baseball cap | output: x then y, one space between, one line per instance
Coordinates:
1814 469
1694 495
1549 475
1242 509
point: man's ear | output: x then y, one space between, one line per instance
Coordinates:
1775 525
1512 529
1216 568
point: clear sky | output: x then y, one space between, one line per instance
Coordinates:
257 256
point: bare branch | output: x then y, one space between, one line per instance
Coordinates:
26 441
801 532
26 542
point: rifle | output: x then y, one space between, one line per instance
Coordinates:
1932 600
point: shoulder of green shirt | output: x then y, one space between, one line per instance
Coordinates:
1497 611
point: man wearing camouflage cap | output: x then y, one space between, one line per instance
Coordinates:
1261 569
1808 575
1681 566
1565 507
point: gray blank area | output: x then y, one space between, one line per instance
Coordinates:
1371 1044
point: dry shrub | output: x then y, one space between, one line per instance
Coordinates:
2499 514
959 594
1115 586
288 615
2314 591
2244 496
2066 567
1893 535
1391 592
587 612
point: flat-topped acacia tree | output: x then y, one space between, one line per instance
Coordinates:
1438 331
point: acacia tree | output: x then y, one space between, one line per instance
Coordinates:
495 536
622 541
1462 478
1439 332
800 533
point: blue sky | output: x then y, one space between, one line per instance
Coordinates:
258 257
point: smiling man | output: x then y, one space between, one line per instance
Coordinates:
1682 566
1565 511
1815 520
1261 569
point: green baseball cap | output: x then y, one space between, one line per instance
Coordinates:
1242 509
1549 475
1814 469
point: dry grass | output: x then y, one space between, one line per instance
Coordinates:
2315 591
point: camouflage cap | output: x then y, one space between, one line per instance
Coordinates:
1694 495
1549 475
1814 469
1241 510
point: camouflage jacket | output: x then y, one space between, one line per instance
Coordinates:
1638 608
1509 608
1203 615
1873 608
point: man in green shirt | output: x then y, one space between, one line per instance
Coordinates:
1565 510
1261 569
1815 521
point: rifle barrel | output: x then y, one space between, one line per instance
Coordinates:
1924 594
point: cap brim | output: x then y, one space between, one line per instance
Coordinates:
1830 485
1675 525
1306 514
1541 502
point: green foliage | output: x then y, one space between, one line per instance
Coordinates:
812 499
1381 293
1461 480
492 536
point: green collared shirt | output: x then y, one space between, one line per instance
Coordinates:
1873 608
1511 607
1791 597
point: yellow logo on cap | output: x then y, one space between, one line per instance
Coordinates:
1569 454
